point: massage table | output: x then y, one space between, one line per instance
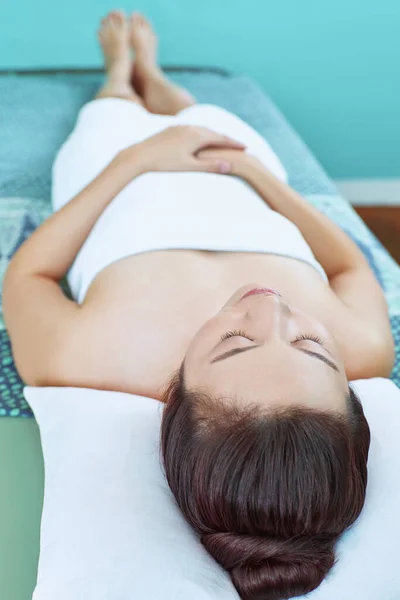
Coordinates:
37 112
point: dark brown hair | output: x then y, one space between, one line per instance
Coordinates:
268 493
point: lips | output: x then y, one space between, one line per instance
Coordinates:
261 290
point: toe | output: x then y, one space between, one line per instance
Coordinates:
135 18
117 18
139 18
131 26
135 26
106 22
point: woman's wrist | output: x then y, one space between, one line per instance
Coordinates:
132 162
248 166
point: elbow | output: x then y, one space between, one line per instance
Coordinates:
14 271
13 282
385 354
38 367
46 371
377 360
32 379
388 358
30 372
35 377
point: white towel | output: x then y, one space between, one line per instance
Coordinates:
159 211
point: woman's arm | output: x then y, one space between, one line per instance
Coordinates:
40 319
332 248
349 274
52 248
43 324
365 314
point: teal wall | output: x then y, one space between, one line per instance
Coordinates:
333 66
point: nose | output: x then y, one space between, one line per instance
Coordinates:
270 316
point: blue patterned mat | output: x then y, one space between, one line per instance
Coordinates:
38 112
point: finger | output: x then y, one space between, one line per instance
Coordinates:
234 143
223 145
216 139
214 165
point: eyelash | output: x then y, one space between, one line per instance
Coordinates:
299 338
235 333
309 336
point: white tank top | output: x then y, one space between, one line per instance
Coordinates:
160 211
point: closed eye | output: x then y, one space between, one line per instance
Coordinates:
317 355
308 336
311 353
236 333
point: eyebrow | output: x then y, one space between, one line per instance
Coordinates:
230 353
316 355
320 357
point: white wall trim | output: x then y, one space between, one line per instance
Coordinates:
370 192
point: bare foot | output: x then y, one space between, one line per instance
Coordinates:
114 39
144 42
160 95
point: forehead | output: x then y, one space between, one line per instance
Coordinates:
282 376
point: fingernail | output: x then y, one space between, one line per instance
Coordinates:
224 167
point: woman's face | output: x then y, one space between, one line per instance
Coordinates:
260 350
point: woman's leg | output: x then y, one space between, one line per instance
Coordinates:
114 39
160 95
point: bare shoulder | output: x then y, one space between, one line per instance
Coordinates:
98 352
63 352
367 352
48 331
359 320
81 358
